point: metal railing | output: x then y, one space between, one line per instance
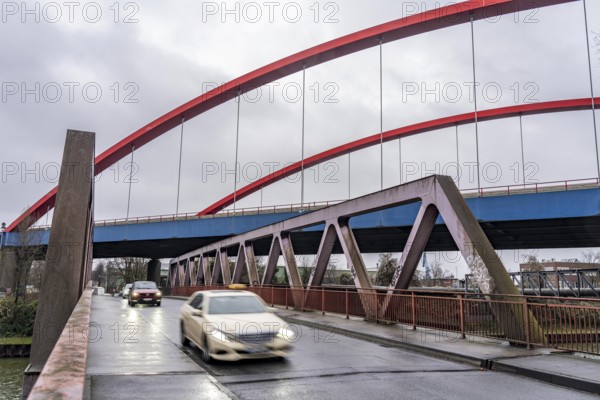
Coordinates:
296 207
565 323
533 187
537 187
560 283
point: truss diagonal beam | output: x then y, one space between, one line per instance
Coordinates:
272 259
240 264
251 264
323 255
415 246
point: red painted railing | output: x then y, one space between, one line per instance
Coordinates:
562 323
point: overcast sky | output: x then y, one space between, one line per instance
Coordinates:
113 67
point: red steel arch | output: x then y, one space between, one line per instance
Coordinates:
451 15
461 119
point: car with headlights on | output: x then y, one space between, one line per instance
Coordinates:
231 325
144 292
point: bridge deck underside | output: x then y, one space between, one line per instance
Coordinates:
534 234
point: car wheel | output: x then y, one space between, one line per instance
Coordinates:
158 304
205 352
182 338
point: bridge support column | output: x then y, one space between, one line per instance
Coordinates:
69 250
154 271
8 268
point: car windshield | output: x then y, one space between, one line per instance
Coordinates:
145 285
235 305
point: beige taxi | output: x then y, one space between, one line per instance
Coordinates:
231 325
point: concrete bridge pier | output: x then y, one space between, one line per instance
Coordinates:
154 271
8 268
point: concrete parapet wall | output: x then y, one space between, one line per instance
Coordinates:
63 376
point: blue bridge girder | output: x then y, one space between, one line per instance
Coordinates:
558 219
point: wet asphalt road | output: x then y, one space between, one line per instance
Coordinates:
323 365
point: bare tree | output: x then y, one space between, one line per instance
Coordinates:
591 256
244 277
387 265
114 279
417 277
26 252
346 279
99 273
35 275
533 264
260 266
331 275
305 267
131 268
437 270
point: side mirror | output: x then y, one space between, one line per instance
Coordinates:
271 309
197 313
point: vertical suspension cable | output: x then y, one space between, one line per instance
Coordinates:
349 166
381 107
522 149
180 157
130 176
237 140
475 101
457 159
303 116
400 157
587 39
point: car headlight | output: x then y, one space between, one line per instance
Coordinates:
222 336
286 334
158 294
135 294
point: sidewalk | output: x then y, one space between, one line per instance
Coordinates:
573 370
